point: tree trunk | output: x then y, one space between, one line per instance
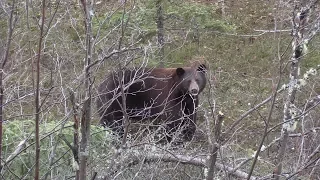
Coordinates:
37 93
86 111
160 32
299 23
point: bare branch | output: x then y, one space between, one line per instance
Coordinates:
183 159
215 147
266 126
37 93
2 65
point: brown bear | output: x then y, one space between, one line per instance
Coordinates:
166 94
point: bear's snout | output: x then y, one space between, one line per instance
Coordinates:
194 92
193 88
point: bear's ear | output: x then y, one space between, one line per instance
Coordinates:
202 68
180 71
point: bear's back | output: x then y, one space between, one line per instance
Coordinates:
151 91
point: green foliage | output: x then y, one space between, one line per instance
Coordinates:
106 21
179 16
144 17
182 55
313 55
52 144
3 28
202 15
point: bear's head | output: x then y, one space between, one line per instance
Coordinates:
191 80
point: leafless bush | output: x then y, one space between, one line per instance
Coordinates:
276 135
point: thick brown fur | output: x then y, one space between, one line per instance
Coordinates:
167 95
